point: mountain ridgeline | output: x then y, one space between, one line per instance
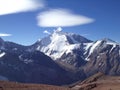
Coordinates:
58 59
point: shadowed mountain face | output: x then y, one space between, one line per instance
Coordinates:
19 64
104 58
59 59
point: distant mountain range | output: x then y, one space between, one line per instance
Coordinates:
58 59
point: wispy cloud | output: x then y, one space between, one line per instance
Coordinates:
5 35
85 34
16 6
59 29
61 17
47 32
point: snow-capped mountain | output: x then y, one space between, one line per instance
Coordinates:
19 64
73 51
60 46
60 58
98 45
103 56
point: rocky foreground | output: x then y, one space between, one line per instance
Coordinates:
5 85
99 82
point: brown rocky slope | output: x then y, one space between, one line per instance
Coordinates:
99 82
5 85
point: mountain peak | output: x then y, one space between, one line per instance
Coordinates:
59 29
60 43
109 41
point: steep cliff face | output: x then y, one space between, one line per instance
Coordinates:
105 58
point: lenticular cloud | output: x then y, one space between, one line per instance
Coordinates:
61 17
16 6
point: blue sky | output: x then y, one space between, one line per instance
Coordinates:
103 15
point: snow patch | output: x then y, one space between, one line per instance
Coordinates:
70 48
2 54
87 46
111 42
94 46
27 61
114 44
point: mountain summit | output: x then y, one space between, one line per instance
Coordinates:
60 44
73 51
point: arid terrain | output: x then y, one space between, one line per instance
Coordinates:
96 82
99 82
4 85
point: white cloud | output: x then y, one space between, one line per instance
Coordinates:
47 32
4 35
59 29
16 6
61 17
85 34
